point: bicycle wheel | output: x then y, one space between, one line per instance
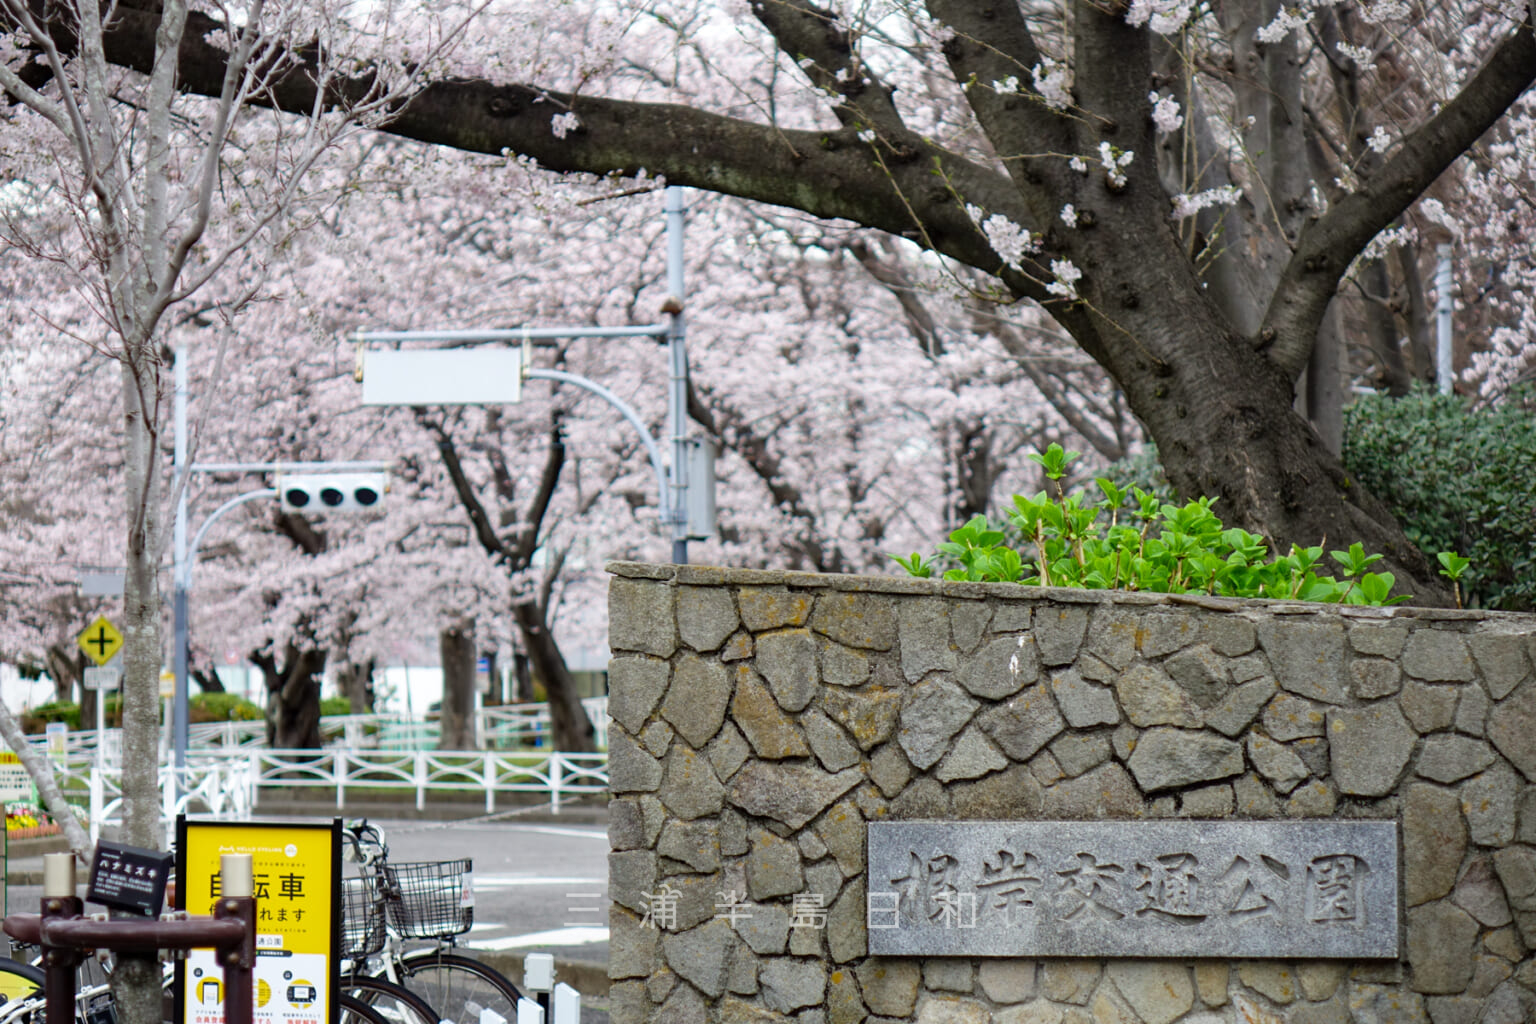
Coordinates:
459 988
395 1003
18 979
20 983
355 1011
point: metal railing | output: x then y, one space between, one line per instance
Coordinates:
498 727
229 783
229 765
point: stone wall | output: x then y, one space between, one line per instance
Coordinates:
761 718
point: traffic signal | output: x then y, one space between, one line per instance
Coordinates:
331 492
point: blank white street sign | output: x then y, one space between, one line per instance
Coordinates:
102 677
442 376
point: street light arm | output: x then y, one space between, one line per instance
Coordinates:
630 415
197 540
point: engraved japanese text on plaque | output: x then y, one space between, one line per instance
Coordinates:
1133 888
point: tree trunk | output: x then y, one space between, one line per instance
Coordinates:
136 979
495 692
88 699
1244 445
66 667
456 725
207 680
522 679
141 598
293 697
65 670
356 684
1325 383
573 732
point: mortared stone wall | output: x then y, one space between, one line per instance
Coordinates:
761 718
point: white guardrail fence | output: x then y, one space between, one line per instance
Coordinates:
228 764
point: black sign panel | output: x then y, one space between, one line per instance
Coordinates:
129 878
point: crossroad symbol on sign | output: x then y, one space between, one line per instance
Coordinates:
101 641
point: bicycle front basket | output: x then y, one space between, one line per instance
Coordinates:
431 900
362 917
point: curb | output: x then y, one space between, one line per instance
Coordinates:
589 977
573 813
19 849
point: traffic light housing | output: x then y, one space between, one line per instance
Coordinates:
331 492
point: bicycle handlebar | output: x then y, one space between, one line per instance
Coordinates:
367 841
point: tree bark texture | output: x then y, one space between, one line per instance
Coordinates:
572 729
293 696
455 721
355 681
141 600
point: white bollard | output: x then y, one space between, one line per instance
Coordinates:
567 1008
529 1012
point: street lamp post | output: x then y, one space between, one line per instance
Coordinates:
433 377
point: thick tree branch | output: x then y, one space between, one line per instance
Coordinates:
479 519
1329 244
821 46
826 174
992 43
549 479
894 276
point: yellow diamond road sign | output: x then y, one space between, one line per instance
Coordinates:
101 641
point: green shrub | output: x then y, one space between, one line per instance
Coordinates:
335 706
1136 541
221 707
1143 470
68 712
1456 478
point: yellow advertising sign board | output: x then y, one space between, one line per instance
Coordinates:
101 641
296 868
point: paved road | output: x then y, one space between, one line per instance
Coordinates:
538 887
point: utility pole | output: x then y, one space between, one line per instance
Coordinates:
457 377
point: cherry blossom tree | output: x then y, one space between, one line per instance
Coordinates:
1182 189
420 241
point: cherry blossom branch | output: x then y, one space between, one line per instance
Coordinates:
479 519
41 773
792 168
994 54
1329 244
823 48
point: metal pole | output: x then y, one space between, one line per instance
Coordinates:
202 531
514 334
183 582
179 731
1443 310
677 381
290 467
629 414
59 963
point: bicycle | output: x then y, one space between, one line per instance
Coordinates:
427 901
22 1000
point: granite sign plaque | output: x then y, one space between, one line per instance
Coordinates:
1134 889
